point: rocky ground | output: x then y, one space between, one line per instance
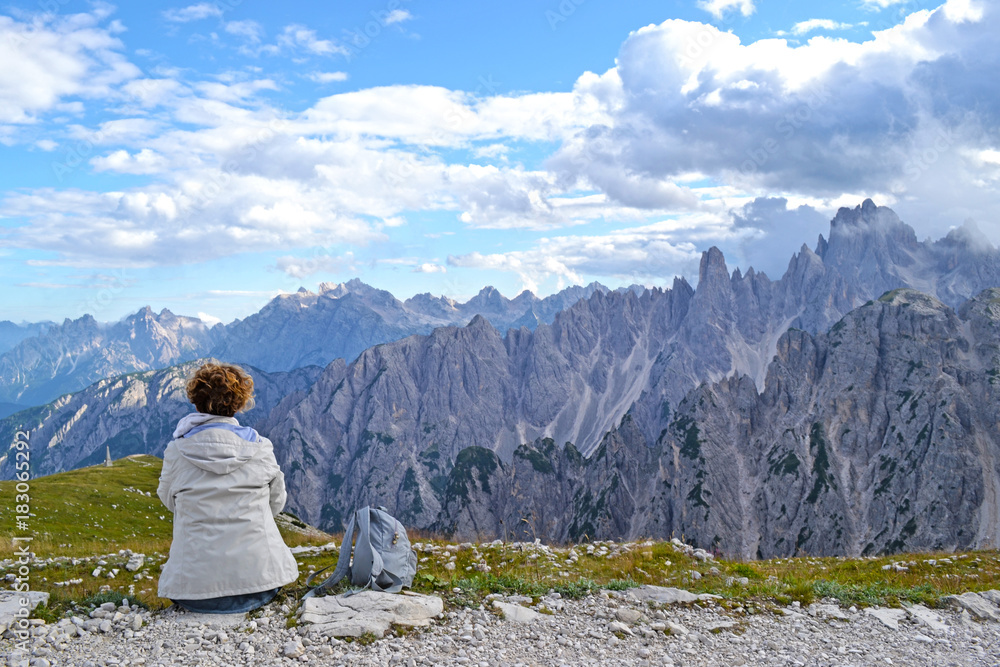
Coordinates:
645 626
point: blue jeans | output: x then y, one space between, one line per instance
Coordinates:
229 604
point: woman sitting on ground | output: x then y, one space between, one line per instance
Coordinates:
224 487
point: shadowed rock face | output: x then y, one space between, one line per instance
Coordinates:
881 435
613 375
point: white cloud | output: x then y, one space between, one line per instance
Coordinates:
428 267
397 16
120 161
248 29
47 144
643 254
882 4
298 37
826 118
328 77
231 172
804 27
317 261
202 10
210 320
58 57
718 8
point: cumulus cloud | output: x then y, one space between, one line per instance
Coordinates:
824 118
694 137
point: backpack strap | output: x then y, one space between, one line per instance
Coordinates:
368 563
343 563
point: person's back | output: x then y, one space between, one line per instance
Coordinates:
224 487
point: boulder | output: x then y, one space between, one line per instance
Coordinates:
12 603
367 612
975 604
515 612
667 595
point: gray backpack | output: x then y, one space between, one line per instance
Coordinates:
383 559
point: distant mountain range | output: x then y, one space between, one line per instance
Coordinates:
45 361
848 407
130 414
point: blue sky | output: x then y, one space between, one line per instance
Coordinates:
205 156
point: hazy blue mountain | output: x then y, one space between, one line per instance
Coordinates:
131 414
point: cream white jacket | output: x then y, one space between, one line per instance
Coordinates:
224 492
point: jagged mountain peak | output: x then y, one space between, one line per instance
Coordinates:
968 237
869 219
712 270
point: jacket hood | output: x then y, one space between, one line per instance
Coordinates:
216 450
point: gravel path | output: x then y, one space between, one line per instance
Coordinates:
606 629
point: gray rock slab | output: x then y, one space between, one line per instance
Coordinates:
828 611
890 618
975 604
667 595
13 603
367 612
927 618
992 596
515 612
626 615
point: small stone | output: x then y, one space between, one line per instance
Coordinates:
626 615
293 649
618 626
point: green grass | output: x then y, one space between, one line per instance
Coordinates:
85 516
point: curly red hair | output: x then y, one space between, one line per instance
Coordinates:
220 389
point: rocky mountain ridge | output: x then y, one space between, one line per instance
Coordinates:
130 414
73 355
409 424
466 430
878 436
291 331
